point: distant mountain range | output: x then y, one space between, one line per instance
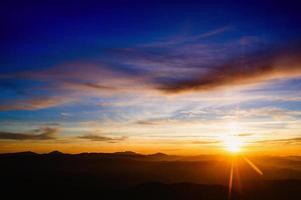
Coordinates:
128 175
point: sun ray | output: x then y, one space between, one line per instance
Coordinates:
230 180
237 176
252 165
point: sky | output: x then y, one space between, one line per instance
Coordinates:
179 77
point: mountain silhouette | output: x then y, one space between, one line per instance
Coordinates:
129 175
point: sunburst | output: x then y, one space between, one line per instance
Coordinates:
233 144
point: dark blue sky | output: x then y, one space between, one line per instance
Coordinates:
40 34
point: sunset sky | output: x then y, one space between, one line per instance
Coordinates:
178 78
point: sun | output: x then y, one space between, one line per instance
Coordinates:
233 145
232 142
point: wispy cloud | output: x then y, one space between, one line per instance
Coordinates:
100 138
153 121
271 112
66 83
203 142
295 140
44 133
188 38
33 103
244 134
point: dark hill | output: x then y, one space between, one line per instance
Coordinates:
135 176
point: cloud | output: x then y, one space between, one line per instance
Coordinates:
84 76
44 133
186 39
206 66
257 68
271 112
203 142
33 103
52 124
88 85
100 138
193 65
65 83
69 82
157 121
296 140
150 122
244 134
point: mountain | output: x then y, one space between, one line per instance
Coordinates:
128 153
128 175
55 153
